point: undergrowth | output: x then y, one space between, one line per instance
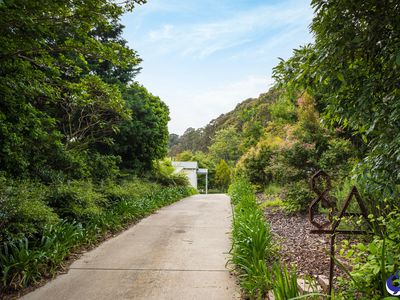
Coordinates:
252 244
254 254
28 255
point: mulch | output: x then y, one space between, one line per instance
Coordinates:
297 245
307 252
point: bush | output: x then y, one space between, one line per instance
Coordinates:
23 211
76 201
163 173
252 164
375 260
336 158
126 190
104 167
298 197
222 175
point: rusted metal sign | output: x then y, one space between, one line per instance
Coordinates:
321 185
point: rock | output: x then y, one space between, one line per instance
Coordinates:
270 295
305 287
323 281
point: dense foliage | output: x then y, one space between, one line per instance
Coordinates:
65 92
143 138
254 250
35 240
74 129
352 71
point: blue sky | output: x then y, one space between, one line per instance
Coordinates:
204 57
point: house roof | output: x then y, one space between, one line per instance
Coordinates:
185 164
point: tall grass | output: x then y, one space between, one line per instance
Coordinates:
252 244
285 283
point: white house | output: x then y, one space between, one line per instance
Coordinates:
189 168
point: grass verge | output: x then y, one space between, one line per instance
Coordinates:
254 254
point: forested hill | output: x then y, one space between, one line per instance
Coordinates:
249 117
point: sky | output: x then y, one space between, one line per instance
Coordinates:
204 57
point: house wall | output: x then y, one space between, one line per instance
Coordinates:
192 176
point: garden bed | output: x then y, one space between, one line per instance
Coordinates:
308 252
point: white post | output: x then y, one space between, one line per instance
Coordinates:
206 183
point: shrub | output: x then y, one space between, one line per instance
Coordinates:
222 175
23 211
253 163
298 197
104 167
375 260
336 158
126 190
163 173
76 201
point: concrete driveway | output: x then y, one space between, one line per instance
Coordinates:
177 253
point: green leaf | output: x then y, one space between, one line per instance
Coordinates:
398 59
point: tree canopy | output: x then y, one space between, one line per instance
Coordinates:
352 70
66 87
144 137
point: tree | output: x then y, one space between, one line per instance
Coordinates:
222 175
186 155
226 145
352 70
143 138
190 140
56 59
91 112
173 140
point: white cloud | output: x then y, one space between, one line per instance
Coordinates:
166 32
204 39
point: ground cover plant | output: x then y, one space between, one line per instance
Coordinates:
39 250
254 250
251 240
